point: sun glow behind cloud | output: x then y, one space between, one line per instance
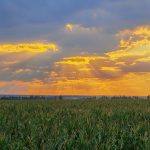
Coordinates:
69 27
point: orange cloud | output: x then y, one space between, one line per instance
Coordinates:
140 31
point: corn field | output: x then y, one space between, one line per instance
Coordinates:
116 124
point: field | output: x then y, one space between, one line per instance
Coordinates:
75 124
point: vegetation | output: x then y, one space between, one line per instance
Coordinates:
77 124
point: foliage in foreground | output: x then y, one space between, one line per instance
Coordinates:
80 124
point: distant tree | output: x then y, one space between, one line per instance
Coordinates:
60 97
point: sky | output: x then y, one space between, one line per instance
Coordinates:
72 47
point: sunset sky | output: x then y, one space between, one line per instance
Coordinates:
75 47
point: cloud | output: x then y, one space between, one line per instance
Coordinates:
87 54
124 70
129 53
79 29
26 61
26 20
77 38
130 59
28 12
28 47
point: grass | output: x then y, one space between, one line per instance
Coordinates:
78 124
